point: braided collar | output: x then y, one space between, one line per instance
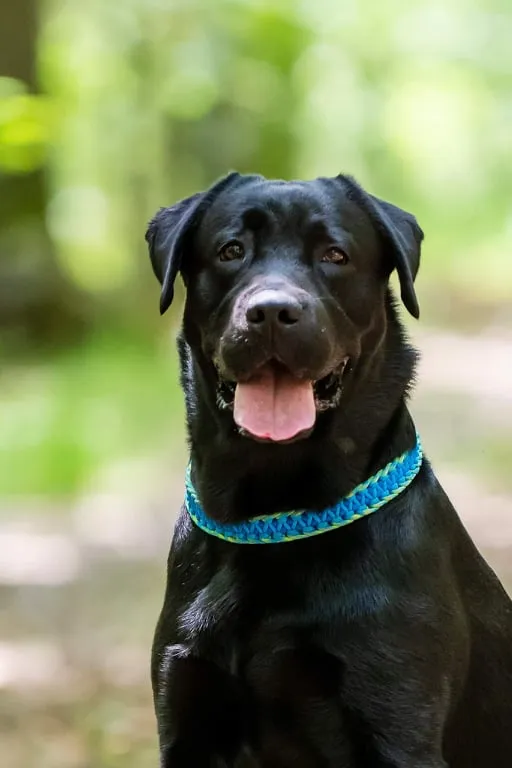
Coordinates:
368 497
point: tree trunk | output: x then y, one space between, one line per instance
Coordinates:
35 300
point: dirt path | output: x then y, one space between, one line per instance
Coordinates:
463 407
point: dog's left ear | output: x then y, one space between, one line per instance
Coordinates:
168 232
404 236
400 232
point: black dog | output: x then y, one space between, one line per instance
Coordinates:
387 642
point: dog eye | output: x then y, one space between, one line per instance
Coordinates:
231 251
334 255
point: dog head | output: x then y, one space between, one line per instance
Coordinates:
286 287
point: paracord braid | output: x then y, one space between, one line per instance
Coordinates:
368 497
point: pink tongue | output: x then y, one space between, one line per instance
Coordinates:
275 406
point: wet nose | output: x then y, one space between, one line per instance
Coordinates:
273 308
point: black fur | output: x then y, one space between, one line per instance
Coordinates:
387 643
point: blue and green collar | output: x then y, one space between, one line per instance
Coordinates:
383 486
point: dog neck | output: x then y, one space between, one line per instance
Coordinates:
238 478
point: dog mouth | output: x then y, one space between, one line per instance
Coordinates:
273 405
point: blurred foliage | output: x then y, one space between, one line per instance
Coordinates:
67 420
24 128
157 99
153 100
145 101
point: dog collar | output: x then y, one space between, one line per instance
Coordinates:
368 497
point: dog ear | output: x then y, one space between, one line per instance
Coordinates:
165 237
403 236
168 232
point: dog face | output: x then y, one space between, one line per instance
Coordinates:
286 288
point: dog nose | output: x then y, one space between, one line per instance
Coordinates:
273 308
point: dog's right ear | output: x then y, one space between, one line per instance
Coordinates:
165 237
169 231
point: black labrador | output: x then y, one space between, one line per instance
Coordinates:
387 642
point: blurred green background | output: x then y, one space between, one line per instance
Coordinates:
109 110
